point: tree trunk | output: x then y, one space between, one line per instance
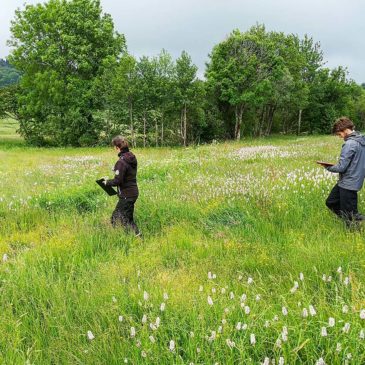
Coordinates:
144 129
299 121
162 121
131 123
181 126
239 112
156 128
185 125
262 121
271 113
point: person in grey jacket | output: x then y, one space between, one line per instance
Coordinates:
351 169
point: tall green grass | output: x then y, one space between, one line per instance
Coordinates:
227 233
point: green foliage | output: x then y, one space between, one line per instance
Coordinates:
212 217
8 74
61 47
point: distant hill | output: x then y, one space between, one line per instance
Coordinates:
8 74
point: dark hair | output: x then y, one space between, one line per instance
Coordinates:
341 124
120 142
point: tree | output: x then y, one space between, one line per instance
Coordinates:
8 101
189 91
239 69
60 47
8 74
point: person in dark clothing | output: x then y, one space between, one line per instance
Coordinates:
351 168
125 180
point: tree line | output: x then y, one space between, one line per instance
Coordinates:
80 86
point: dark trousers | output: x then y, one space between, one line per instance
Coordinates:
343 202
123 214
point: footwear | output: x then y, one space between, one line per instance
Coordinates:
359 217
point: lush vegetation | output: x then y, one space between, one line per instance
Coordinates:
8 74
240 261
80 86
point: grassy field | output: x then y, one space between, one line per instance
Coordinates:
241 263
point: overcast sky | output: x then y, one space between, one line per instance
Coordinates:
197 25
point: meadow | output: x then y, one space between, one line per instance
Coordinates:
240 261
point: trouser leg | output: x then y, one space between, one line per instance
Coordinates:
348 202
333 200
123 214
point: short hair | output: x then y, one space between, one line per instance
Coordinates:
341 124
120 142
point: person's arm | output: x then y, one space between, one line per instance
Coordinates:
347 153
120 170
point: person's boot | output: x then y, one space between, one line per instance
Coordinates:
359 217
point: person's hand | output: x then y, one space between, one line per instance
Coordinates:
105 179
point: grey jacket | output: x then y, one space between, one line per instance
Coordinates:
351 165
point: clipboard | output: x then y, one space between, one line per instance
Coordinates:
108 189
325 164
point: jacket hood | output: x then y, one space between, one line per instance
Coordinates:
357 137
129 158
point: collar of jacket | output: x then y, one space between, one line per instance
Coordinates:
122 151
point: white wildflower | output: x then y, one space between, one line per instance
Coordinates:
278 343
338 347
144 354
284 311
133 332
324 332
120 318
238 326
214 290
324 277
305 313
258 297
152 339
165 296
5 257
320 361
192 334
345 309
266 361
230 344
144 319
201 288
162 307
145 296
249 281
172 346
114 299
158 321
213 336
312 311
331 322
90 335
247 309
210 300
243 298
362 314
362 335
252 339
346 281
281 361
346 327
301 276
231 295
339 270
